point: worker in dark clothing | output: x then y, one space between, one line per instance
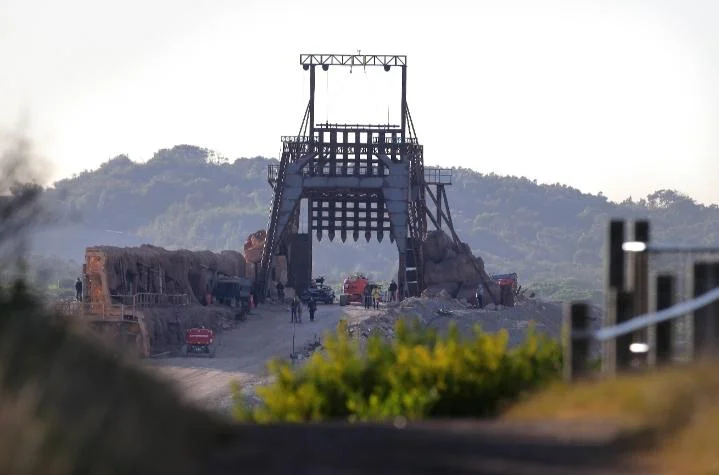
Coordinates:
392 291
367 294
293 307
280 291
312 307
480 296
78 290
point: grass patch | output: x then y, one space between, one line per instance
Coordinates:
675 412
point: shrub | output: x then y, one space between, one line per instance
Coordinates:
417 375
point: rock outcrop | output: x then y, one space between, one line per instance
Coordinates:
452 268
253 246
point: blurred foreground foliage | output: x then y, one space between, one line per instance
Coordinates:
418 375
68 405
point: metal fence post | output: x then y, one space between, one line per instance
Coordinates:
714 308
625 301
615 284
576 345
638 279
663 349
703 324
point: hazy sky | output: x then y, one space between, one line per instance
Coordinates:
614 96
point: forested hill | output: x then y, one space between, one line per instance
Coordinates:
552 235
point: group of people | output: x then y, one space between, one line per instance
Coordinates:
371 297
296 309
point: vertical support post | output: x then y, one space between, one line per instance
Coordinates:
312 101
714 308
335 167
616 254
623 358
403 107
661 351
638 279
310 240
615 284
703 324
576 345
402 277
439 208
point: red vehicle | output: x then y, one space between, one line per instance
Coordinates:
198 341
508 287
354 286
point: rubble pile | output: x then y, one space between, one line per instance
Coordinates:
439 313
315 344
452 268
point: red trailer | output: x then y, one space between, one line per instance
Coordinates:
199 341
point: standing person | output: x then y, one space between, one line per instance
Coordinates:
480 295
78 290
312 307
293 308
375 297
367 297
392 291
280 291
299 311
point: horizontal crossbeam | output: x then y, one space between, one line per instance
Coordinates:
353 59
379 127
375 140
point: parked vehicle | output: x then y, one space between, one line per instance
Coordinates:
508 287
199 341
506 279
353 286
319 291
234 292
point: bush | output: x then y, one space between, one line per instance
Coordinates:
417 375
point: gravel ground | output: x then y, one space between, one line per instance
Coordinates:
244 351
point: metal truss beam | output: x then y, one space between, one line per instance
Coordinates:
353 60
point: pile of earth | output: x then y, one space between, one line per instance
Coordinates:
439 313
451 267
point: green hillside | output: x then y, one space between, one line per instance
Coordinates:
552 235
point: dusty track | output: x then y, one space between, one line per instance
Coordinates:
243 352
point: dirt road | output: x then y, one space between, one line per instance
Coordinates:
243 352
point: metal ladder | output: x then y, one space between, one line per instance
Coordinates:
267 251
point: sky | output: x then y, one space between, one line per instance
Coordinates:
618 97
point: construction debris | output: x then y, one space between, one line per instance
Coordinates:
439 313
